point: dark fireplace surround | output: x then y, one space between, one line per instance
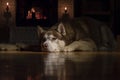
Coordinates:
31 13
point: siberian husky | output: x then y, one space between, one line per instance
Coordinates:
83 34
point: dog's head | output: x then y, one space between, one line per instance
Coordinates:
52 39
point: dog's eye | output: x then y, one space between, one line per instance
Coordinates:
54 38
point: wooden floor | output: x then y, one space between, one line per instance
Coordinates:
25 65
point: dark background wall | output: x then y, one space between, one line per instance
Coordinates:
104 10
107 11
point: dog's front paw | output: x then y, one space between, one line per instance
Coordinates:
68 48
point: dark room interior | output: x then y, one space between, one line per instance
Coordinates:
49 12
21 57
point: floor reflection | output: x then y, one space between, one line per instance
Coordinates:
60 66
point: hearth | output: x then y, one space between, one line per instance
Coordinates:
36 12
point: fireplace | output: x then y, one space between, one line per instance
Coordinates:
36 12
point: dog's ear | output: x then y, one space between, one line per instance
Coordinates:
40 30
61 29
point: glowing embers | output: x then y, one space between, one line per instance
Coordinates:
36 13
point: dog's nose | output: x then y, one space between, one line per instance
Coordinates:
45 45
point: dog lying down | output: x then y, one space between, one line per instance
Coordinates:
83 34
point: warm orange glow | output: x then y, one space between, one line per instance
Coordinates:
7 3
29 15
37 14
65 8
32 10
7 8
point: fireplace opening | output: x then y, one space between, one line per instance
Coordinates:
36 12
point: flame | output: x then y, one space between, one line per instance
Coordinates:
7 3
65 8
